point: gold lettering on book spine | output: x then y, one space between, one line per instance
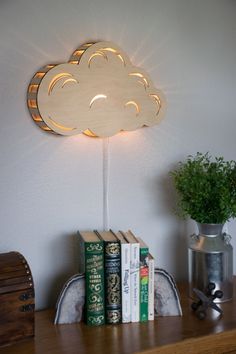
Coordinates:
113 316
96 320
113 289
94 247
113 249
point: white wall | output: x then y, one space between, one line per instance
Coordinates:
52 186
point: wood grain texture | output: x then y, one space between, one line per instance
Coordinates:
220 343
167 335
98 92
16 298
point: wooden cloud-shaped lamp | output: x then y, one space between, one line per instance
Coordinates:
98 92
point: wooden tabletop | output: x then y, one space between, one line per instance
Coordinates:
167 335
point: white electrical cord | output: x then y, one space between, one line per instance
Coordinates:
105 148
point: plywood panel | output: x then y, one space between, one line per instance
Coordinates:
99 92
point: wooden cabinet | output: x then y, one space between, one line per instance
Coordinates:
167 335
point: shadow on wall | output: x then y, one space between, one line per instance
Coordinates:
69 247
176 228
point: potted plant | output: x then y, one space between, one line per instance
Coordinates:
207 193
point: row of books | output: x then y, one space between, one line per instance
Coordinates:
119 277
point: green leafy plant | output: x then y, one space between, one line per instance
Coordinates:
207 188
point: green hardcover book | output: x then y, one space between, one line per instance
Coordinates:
91 262
143 280
112 273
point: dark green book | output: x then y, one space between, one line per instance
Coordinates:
144 270
91 262
112 267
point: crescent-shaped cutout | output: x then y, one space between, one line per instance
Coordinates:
112 50
103 94
57 125
97 53
133 103
69 80
142 77
56 79
95 98
158 102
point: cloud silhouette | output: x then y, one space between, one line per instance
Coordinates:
98 92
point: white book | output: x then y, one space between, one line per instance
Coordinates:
151 288
134 276
125 278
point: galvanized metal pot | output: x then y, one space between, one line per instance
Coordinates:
210 259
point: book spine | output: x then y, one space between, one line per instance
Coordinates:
94 283
143 284
125 282
112 282
135 282
151 288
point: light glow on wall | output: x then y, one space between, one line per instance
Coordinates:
92 92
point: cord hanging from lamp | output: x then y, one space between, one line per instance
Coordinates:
98 93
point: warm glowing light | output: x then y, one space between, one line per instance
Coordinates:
39 75
55 80
70 93
33 88
136 74
110 50
121 58
36 118
95 98
73 61
69 80
32 103
78 53
158 102
145 82
59 125
98 53
114 51
133 103
89 133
